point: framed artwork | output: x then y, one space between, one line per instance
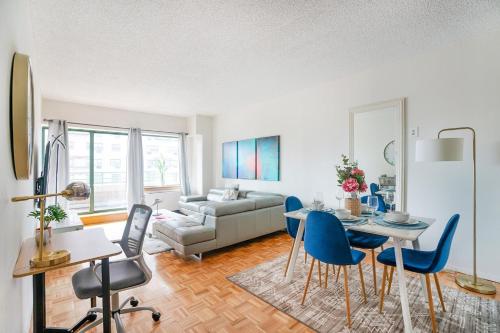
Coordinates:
230 159
246 159
268 158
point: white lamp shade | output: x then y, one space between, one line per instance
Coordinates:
446 149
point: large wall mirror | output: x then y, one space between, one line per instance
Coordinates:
377 142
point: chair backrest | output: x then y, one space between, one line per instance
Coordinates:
135 230
292 203
444 245
326 239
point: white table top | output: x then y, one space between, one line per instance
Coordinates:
404 234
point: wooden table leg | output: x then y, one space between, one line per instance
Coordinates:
106 309
403 294
295 251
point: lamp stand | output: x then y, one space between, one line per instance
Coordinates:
44 258
472 282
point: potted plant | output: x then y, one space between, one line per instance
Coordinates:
352 180
52 213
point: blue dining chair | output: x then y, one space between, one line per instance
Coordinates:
326 241
291 204
423 262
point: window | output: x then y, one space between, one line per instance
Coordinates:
161 161
99 159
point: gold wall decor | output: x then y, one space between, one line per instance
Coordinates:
21 116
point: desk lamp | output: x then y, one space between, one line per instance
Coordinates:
74 191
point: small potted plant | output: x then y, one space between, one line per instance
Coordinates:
52 213
352 180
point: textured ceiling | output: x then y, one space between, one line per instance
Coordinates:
211 57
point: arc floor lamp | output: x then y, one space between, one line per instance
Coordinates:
451 149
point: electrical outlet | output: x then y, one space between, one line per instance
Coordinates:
414 131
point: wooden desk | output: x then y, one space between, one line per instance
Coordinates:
85 246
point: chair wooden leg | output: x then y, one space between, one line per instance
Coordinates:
374 272
289 256
333 273
326 276
338 275
319 273
347 297
431 304
438 287
308 280
382 290
390 280
305 257
362 281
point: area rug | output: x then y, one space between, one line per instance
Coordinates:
324 309
154 245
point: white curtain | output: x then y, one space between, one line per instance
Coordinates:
184 172
135 168
58 175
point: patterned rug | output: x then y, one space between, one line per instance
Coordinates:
324 309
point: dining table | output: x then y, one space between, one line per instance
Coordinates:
399 235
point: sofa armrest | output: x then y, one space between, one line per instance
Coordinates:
191 198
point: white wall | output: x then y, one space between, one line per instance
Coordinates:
15 295
96 115
456 85
91 114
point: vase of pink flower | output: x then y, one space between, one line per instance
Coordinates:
352 180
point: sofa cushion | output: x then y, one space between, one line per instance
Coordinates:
228 207
268 201
191 198
193 205
185 231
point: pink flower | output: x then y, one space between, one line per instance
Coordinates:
363 187
350 185
358 172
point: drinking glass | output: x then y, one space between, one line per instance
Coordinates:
372 202
339 195
318 200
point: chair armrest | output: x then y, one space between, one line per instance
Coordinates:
191 198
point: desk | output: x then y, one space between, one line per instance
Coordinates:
398 236
85 246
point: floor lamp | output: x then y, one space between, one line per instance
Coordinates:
451 149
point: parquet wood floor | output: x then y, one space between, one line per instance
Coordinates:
192 296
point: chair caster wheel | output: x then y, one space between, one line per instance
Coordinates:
156 316
134 302
91 317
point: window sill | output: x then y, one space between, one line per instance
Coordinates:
161 189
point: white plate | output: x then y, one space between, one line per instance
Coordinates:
410 221
351 218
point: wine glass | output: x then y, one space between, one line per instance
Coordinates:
339 195
372 202
389 198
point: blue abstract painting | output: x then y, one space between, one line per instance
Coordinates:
268 158
230 159
246 159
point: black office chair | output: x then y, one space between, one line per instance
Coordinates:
130 272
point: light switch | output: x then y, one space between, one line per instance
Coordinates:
414 131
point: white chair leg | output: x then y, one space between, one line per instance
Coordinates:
138 308
118 323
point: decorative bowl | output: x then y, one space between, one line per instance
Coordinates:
342 213
396 216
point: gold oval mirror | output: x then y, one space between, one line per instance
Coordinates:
21 116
